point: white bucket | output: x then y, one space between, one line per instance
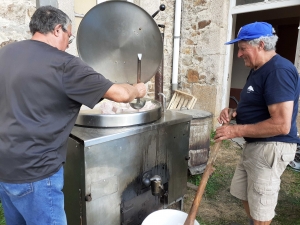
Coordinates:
166 217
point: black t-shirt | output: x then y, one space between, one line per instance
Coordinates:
41 92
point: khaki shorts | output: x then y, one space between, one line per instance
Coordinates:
257 176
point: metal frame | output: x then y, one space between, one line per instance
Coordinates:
233 11
262 6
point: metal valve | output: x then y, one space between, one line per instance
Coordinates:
162 7
156 186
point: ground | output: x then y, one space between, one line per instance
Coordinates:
219 207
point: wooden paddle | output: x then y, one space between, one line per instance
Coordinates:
207 172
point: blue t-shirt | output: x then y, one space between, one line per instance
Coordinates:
276 81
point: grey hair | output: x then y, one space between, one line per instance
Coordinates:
45 18
270 42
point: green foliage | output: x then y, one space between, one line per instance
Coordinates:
212 136
2 220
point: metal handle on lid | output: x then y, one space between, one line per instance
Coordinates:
139 67
139 73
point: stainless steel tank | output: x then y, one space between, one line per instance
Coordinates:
110 173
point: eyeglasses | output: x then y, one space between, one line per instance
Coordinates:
71 38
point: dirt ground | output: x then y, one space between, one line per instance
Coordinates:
225 209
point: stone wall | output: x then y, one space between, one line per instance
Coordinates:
14 20
202 50
204 28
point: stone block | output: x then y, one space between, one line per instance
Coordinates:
205 97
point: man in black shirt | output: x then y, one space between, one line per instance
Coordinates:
42 89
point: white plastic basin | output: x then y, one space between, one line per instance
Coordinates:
166 217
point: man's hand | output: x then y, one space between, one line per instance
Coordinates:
226 131
224 115
141 87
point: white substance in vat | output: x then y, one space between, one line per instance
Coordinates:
111 107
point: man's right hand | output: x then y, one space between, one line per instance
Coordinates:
224 115
125 92
141 87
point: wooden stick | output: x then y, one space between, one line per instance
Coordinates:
207 172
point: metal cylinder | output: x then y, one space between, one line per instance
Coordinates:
156 187
159 81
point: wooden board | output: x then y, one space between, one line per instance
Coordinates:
182 100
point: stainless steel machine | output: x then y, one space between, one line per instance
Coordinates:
122 167
120 175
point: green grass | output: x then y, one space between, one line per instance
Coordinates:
216 182
287 210
2 220
212 135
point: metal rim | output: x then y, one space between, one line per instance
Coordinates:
92 118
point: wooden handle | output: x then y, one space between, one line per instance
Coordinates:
207 172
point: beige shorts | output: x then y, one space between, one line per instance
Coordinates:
257 176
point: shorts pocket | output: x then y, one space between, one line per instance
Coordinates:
17 190
269 156
287 157
268 193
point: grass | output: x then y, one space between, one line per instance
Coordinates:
216 182
2 220
289 199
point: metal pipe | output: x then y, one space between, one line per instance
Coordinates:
159 79
176 44
163 102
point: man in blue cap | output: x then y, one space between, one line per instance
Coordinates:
266 118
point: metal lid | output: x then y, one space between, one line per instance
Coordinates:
111 35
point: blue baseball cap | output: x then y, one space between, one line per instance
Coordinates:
252 31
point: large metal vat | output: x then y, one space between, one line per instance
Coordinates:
109 171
